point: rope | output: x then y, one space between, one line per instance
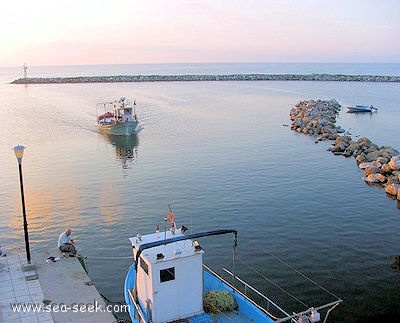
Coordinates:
109 258
274 284
295 270
304 276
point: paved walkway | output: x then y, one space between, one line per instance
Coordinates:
63 291
15 289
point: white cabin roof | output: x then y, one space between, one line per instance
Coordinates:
180 249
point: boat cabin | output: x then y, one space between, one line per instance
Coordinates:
169 277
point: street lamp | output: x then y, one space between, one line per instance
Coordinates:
19 152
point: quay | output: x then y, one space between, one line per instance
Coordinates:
207 77
59 291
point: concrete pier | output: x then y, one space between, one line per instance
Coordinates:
61 291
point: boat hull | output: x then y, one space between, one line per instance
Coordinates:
120 129
246 312
361 108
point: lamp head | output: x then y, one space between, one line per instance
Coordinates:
19 152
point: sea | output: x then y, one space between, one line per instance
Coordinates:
221 155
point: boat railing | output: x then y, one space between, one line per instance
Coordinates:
138 310
268 302
288 317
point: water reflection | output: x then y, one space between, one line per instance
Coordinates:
125 148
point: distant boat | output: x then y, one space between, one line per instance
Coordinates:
118 118
361 108
168 282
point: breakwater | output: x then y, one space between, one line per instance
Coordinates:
381 164
194 78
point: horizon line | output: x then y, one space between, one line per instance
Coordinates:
198 63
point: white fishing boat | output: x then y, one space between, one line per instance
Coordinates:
361 108
168 282
117 118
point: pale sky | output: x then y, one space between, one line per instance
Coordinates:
75 32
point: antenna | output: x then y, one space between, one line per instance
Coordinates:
25 68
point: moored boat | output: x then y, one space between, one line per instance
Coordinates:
118 118
168 282
361 108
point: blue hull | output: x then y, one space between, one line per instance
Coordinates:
120 129
246 312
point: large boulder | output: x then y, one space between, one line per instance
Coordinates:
389 151
375 178
395 162
386 169
365 165
393 178
372 170
392 189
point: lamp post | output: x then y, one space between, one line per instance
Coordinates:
19 152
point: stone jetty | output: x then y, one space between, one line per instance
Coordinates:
203 77
381 164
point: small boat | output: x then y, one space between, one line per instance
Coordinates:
361 108
118 118
168 282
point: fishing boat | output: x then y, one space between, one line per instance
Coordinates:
361 108
118 118
168 282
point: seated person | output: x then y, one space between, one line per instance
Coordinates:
66 243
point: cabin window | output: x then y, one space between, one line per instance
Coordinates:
167 274
144 266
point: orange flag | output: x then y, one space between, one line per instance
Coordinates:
171 217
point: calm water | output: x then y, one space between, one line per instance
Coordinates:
221 155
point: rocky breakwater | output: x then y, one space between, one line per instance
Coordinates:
316 118
381 164
207 77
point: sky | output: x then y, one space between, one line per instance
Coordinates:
80 32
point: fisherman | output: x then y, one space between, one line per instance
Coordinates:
66 243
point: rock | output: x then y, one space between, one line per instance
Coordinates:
395 162
392 189
372 154
392 179
386 169
352 148
382 160
375 178
339 147
360 158
365 165
339 129
389 152
372 170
